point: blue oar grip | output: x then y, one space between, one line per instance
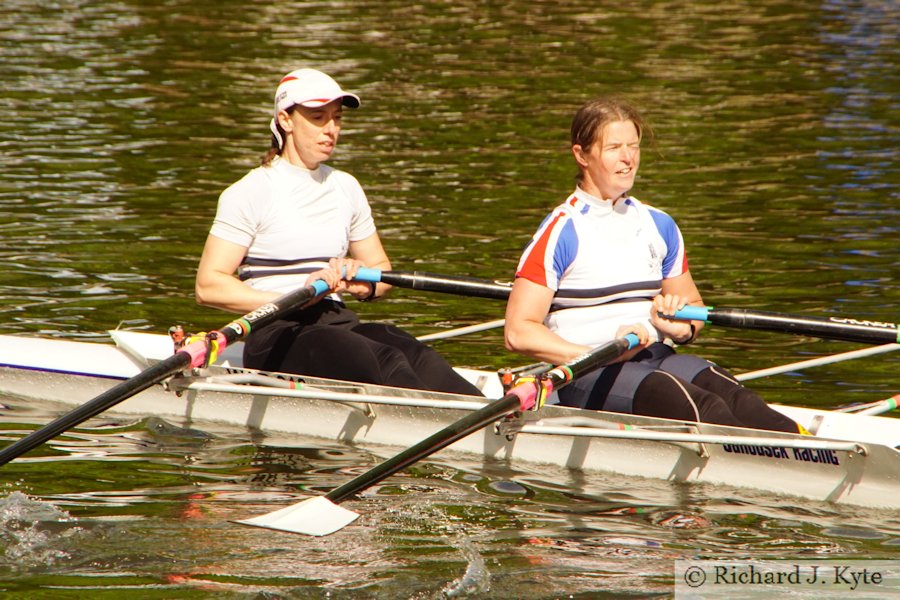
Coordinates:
362 274
368 274
693 313
632 340
320 286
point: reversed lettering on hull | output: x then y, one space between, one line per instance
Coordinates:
810 455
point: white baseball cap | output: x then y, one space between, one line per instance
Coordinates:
311 88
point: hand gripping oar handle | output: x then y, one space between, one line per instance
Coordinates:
837 328
448 284
320 515
521 397
192 355
834 328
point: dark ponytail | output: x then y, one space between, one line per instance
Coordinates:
275 149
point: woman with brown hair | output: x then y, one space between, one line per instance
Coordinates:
604 264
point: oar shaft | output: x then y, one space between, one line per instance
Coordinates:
443 438
107 399
817 362
271 311
880 407
448 284
834 328
442 335
514 400
192 355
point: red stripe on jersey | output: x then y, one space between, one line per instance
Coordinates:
533 268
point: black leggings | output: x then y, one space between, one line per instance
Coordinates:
366 352
712 397
658 382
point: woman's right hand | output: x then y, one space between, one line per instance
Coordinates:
330 276
331 279
643 337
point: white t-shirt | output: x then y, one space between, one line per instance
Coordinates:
291 220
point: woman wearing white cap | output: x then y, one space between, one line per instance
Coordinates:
294 219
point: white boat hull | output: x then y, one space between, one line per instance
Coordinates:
856 460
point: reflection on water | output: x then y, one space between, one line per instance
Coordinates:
160 515
775 149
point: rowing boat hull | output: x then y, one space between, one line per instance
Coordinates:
867 473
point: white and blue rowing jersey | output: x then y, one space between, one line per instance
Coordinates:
605 261
292 220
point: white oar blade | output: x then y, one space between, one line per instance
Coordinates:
313 516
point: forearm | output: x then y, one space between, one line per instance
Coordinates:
537 341
228 293
370 290
370 253
525 331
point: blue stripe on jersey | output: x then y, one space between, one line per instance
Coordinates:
669 232
566 249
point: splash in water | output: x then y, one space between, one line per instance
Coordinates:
24 540
476 580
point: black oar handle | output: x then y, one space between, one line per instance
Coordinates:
448 284
834 328
520 397
193 354
271 311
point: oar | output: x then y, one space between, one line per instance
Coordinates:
837 328
873 408
193 355
443 335
448 284
322 515
834 328
818 362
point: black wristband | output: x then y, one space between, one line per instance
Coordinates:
371 295
691 338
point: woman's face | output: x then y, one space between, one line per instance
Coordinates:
610 165
312 133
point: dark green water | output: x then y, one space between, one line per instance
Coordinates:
120 122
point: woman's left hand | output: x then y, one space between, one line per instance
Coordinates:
346 269
661 312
